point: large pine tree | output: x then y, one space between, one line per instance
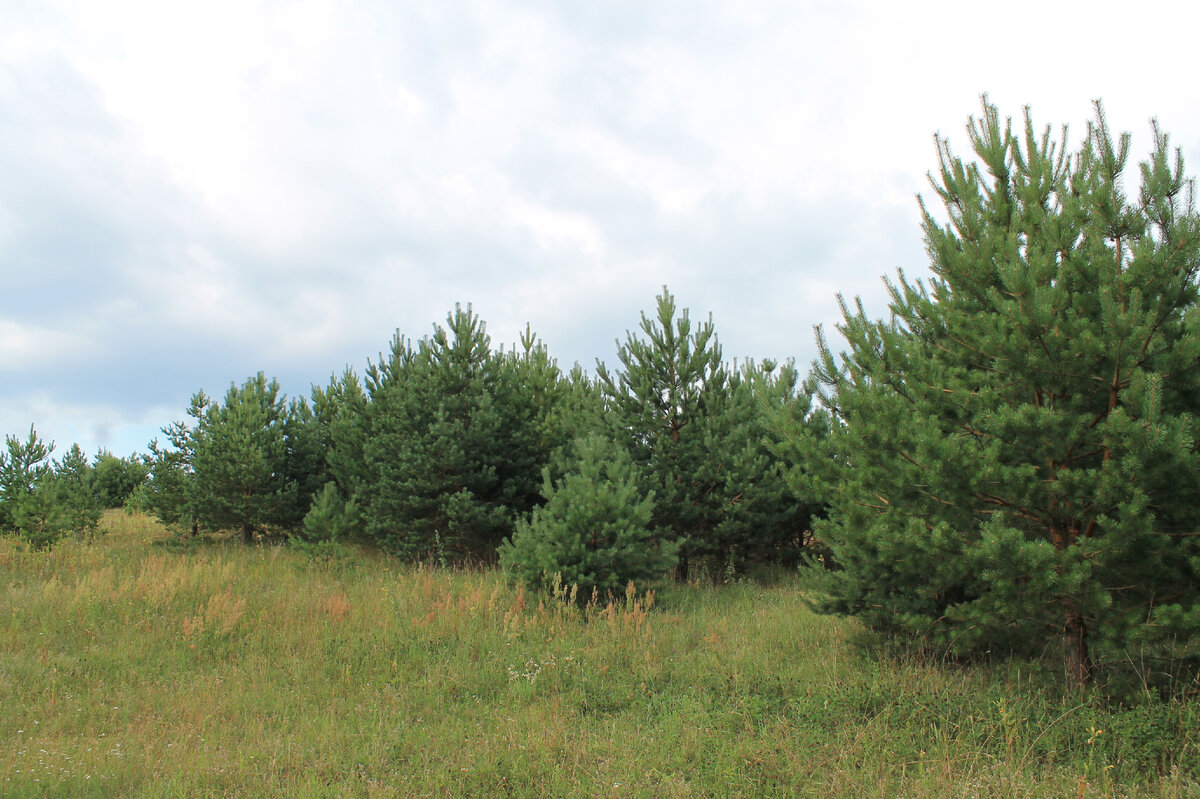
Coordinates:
1014 454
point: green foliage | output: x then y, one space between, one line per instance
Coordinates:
117 478
593 532
39 516
545 409
23 466
331 518
341 415
672 379
1013 454
75 485
239 452
579 411
42 500
166 492
304 462
701 436
457 435
761 519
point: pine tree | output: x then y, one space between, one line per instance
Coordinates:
593 533
761 520
169 487
337 433
456 440
30 502
75 483
23 465
670 382
238 456
702 435
536 400
579 411
342 416
117 478
1013 454
331 518
304 464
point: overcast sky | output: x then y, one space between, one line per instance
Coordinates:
192 193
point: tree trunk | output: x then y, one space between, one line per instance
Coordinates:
1079 660
247 534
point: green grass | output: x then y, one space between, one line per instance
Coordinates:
129 668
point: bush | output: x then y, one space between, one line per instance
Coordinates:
39 516
594 530
118 478
331 517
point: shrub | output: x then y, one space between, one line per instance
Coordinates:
331 517
594 530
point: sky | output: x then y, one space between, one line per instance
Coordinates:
191 193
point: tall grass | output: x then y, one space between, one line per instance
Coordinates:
130 669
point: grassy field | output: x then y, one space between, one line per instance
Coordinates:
131 668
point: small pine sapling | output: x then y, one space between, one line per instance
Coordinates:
593 533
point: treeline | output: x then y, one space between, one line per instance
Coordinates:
43 499
449 448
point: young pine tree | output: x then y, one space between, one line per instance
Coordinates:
75 483
593 533
31 504
342 417
702 437
304 464
23 465
760 518
169 485
239 458
455 441
330 519
671 380
1013 455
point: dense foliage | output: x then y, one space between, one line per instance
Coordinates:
701 435
593 536
118 478
42 500
250 463
450 445
1013 460
457 434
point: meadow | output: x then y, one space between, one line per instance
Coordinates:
139 666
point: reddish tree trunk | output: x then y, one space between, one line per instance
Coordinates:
1079 659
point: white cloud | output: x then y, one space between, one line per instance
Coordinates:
22 345
194 193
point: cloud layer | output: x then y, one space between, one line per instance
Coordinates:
192 194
